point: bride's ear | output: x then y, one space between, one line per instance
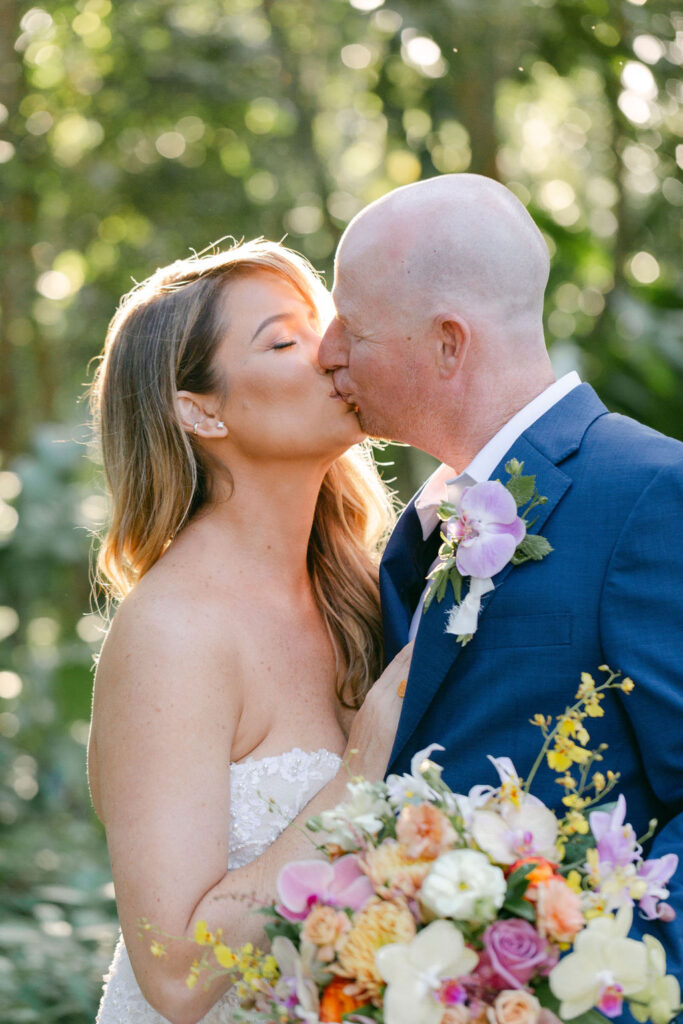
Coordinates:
197 418
452 342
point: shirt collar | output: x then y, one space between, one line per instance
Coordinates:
485 461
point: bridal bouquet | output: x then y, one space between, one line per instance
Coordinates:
435 907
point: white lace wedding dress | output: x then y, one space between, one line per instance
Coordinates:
266 794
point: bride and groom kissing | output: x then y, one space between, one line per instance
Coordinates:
242 673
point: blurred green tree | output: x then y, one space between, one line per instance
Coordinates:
131 133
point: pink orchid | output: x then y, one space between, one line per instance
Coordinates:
302 883
488 529
656 873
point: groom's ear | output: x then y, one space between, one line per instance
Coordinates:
452 342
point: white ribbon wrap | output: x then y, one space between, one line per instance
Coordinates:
462 618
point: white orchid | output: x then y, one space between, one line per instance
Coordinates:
604 967
412 788
415 972
516 828
464 885
660 1000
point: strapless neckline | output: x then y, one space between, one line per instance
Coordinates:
251 760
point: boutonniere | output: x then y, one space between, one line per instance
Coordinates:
487 530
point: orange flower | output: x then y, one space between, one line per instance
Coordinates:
540 870
379 923
335 1001
558 911
457 1014
325 927
391 871
425 831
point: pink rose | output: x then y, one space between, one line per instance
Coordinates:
514 953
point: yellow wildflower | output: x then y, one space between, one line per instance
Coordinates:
191 980
225 956
157 949
202 935
592 706
565 753
575 801
599 782
571 725
573 880
575 822
627 684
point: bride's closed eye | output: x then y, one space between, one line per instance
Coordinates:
283 344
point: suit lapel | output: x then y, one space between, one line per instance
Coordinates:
401 577
551 439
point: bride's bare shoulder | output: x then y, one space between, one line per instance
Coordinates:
169 625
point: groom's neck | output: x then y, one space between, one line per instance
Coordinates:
483 408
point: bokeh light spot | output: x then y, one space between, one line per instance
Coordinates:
9 621
10 685
644 267
170 145
356 56
10 485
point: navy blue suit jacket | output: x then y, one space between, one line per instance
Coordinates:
611 592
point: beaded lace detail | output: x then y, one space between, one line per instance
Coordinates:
266 794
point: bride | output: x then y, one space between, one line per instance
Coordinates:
244 542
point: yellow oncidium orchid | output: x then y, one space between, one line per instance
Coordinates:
158 949
573 880
565 753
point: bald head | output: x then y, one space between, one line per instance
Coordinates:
458 239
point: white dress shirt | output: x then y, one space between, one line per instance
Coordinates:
444 484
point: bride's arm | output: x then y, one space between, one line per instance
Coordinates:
165 724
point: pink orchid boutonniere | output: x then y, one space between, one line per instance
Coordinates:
489 528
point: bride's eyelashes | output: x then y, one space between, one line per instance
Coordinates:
283 344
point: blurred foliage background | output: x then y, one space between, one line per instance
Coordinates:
132 132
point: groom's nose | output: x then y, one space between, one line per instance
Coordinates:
333 351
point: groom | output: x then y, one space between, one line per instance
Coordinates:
438 341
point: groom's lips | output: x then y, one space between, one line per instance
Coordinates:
344 395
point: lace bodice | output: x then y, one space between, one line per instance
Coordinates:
266 794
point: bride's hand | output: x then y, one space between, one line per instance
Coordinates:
374 726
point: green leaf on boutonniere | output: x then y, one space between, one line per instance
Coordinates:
521 488
532 548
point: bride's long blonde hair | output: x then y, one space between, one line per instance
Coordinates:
162 339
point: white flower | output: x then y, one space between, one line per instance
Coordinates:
660 999
412 788
362 813
604 964
511 832
464 885
414 972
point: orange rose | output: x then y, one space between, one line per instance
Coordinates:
335 1001
424 831
516 1006
458 1014
558 911
325 927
